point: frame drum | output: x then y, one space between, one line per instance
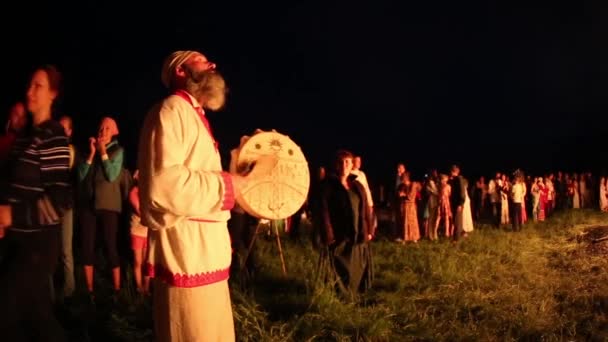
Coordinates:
284 190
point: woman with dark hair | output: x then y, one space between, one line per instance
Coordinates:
346 228
37 195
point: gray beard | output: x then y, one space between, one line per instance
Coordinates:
208 87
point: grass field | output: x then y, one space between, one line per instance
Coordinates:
546 283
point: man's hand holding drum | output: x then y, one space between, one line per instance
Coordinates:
244 176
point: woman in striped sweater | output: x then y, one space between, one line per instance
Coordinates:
37 195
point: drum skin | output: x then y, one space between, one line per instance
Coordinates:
284 190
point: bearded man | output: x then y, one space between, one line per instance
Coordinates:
185 200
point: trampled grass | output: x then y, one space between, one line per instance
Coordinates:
539 284
546 283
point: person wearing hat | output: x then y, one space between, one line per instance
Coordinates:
185 201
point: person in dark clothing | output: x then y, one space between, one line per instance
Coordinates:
313 206
346 229
457 197
17 121
243 230
34 200
294 223
101 199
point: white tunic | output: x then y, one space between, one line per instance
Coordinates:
185 197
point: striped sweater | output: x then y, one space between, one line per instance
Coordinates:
38 187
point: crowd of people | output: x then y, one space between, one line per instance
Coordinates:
48 188
449 203
56 199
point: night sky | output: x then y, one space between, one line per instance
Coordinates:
488 85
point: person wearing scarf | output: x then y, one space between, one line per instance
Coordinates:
100 198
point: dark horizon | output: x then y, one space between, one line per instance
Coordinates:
378 80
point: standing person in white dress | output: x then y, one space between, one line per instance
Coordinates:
464 218
362 178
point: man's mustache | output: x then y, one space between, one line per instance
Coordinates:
196 77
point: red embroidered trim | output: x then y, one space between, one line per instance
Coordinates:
228 203
185 280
